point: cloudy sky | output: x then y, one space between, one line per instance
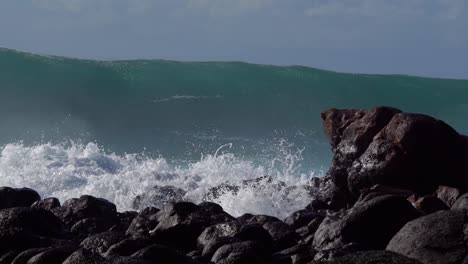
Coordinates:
418 37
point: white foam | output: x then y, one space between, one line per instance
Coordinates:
71 170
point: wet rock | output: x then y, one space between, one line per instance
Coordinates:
186 220
123 221
218 191
158 197
143 223
161 254
368 226
26 255
298 254
282 234
302 218
8 257
461 203
435 238
90 226
101 242
83 256
48 204
429 204
76 209
54 255
448 195
218 235
248 252
371 257
24 227
23 197
129 246
381 190
414 152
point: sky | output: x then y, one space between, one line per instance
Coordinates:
415 37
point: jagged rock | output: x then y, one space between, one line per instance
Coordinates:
371 257
367 226
123 221
437 238
24 227
461 203
101 242
90 226
47 204
186 220
129 246
143 223
448 195
26 255
428 204
216 192
54 255
218 235
161 254
23 197
8 257
298 254
76 209
380 190
83 256
158 197
282 234
248 252
414 152
302 218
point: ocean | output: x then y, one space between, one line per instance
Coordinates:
116 129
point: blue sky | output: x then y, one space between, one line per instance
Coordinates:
417 37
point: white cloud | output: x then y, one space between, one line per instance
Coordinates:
448 9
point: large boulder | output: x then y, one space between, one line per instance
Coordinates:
76 209
385 146
435 238
24 227
23 197
181 223
158 197
368 226
101 242
248 252
144 222
55 255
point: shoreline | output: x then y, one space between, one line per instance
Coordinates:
395 193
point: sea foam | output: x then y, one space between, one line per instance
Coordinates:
71 170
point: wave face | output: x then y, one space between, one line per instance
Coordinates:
176 115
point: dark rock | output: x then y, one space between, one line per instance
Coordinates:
76 209
24 227
302 218
100 243
461 203
371 257
129 246
218 191
90 226
367 226
159 196
23 197
448 195
248 252
143 223
414 152
435 238
47 204
54 255
381 190
298 254
123 221
161 254
186 220
26 255
83 256
8 257
218 235
429 204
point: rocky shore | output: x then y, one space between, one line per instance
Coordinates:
396 193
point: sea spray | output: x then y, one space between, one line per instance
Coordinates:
70 170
